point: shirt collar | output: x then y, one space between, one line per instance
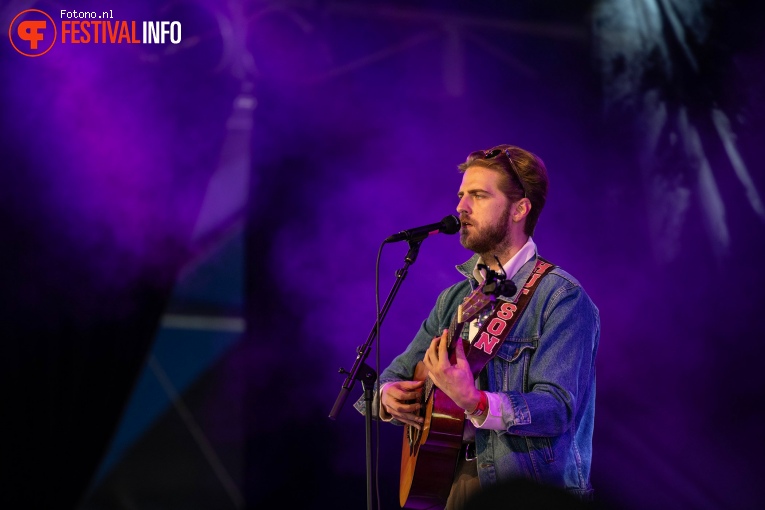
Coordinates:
512 266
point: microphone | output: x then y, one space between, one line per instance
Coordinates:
449 225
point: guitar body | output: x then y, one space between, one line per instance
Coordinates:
429 457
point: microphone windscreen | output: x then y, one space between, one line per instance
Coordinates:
450 225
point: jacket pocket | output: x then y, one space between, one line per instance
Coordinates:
511 364
512 348
542 447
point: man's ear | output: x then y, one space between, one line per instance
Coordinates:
521 209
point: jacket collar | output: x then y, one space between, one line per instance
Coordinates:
519 278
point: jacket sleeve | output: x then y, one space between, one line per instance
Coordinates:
561 370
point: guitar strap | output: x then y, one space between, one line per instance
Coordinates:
495 328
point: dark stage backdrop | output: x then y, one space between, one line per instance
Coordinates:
190 231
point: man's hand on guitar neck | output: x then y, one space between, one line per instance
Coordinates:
455 380
396 401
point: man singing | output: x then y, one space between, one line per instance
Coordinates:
530 411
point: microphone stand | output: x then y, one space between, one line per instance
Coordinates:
364 373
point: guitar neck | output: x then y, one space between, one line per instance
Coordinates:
454 331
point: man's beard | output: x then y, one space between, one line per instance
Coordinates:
487 239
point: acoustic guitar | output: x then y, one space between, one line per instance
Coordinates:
429 456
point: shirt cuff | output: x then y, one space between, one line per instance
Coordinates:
383 413
492 419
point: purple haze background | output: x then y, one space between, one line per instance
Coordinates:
109 150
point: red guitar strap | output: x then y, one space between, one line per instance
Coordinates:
497 326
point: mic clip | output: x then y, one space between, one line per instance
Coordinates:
496 283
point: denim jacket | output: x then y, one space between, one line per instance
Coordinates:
546 372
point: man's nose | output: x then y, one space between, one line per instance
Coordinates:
463 206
